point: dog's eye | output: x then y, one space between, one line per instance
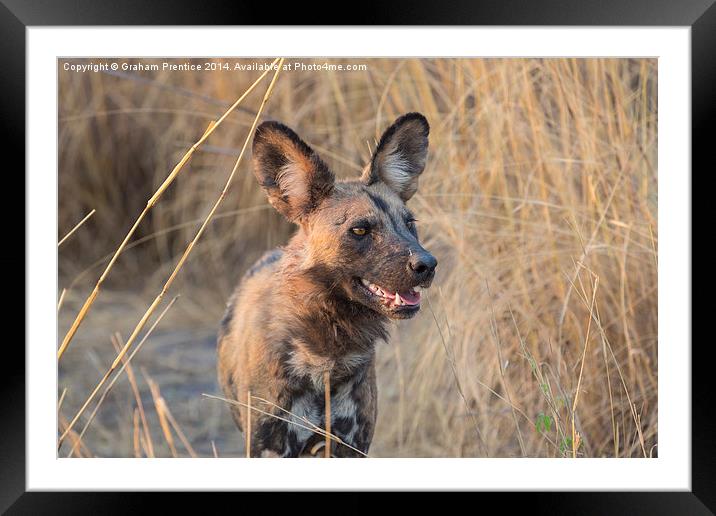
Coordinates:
359 231
410 223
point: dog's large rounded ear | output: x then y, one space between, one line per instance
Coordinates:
400 156
294 178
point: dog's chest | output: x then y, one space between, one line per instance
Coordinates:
309 409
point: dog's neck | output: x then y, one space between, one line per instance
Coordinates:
329 323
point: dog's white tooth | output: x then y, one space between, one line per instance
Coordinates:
365 282
418 289
398 300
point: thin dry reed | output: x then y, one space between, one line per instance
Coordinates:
247 432
85 219
327 395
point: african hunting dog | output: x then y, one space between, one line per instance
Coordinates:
322 302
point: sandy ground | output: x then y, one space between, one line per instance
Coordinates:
183 364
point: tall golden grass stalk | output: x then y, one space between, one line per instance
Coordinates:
160 406
327 393
177 429
248 424
184 256
135 433
166 415
575 442
150 204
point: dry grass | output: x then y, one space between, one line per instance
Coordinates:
539 200
213 125
182 260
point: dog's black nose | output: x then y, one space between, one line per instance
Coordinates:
422 264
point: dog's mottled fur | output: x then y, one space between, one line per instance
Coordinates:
302 309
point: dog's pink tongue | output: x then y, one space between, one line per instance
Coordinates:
410 297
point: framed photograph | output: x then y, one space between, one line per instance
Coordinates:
427 249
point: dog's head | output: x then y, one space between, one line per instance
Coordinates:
361 239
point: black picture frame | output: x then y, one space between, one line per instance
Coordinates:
17 15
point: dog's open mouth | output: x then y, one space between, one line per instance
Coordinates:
407 298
